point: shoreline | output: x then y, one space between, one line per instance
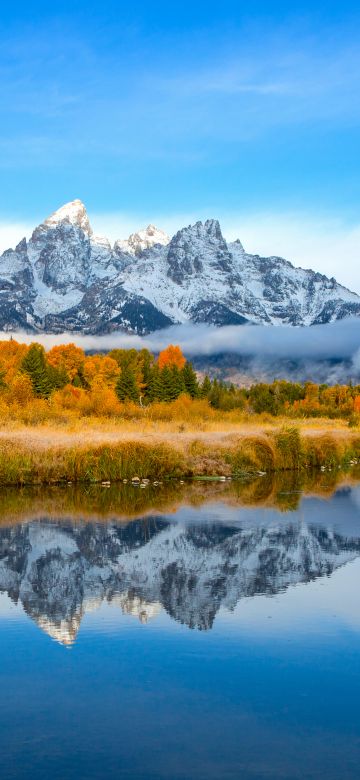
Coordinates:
35 456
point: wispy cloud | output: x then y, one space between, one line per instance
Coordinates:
64 87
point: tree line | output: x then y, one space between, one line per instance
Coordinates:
101 383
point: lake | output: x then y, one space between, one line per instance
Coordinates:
197 632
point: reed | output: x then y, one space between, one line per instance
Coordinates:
277 451
20 465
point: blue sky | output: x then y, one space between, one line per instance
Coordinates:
176 111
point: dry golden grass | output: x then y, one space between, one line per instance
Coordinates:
221 429
48 454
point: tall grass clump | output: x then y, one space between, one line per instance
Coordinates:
288 449
251 455
20 465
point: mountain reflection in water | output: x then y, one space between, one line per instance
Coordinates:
189 564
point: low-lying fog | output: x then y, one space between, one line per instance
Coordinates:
321 353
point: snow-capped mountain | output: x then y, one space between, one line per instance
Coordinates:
59 571
65 278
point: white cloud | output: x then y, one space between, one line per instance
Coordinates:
338 340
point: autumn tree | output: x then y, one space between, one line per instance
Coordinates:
101 367
357 404
21 389
11 355
171 356
66 357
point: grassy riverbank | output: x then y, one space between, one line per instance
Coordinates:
32 456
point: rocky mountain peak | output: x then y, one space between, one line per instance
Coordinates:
237 245
142 240
212 227
74 213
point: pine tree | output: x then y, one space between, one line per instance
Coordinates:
146 372
190 380
205 387
168 385
34 364
126 387
215 394
80 380
58 377
155 390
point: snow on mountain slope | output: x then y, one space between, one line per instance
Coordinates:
144 239
65 278
73 213
60 571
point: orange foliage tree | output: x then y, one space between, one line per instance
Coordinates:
68 357
357 404
171 356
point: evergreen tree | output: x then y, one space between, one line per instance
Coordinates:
34 364
215 393
205 387
80 380
58 377
191 384
126 387
169 392
155 389
178 384
146 372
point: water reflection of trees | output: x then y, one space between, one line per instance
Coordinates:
281 491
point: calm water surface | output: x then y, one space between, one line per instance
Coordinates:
214 642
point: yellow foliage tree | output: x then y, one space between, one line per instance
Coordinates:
104 400
103 368
11 355
21 389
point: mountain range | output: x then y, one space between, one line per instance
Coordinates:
66 278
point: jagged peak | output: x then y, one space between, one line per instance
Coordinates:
74 213
211 228
143 239
21 246
238 245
